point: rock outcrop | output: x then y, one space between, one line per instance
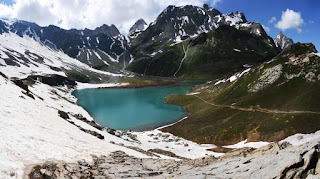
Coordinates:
272 161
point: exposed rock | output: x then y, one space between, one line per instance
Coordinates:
272 161
52 80
3 75
282 41
91 123
268 77
284 145
300 137
94 133
310 76
140 25
167 153
63 114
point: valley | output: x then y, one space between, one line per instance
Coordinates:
194 94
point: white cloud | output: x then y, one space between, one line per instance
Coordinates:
267 29
290 20
91 13
273 19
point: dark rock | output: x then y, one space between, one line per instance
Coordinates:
63 115
21 84
111 131
53 80
94 133
3 75
284 145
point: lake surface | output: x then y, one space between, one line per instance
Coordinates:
137 109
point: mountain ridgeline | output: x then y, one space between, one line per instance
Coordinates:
187 41
199 42
103 48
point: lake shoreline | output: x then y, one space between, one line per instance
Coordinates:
150 82
143 98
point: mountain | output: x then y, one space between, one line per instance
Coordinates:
187 41
267 102
24 56
103 48
282 41
199 42
139 26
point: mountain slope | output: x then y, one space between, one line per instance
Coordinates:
103 48
282 41
21 57
199 42
267 103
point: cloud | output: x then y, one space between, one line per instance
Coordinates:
91 13
273 19
267 29
290 20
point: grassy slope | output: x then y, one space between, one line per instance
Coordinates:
140 82
223 125
210 55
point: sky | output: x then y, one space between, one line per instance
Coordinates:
297 19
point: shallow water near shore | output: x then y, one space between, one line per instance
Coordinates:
137 109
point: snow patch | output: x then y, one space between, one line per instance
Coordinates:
81 86
244 143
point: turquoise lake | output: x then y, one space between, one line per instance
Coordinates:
137 109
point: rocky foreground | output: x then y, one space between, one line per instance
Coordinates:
272 161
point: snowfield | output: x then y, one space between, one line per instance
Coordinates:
34 53
32 132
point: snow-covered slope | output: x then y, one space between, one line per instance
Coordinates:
73 42
23 56
32 131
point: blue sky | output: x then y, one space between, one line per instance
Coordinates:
263 10
65 13
8 2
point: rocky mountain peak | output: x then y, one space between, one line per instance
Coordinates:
212 11
138 26
111 31
282 41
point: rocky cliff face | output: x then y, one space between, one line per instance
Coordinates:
282 41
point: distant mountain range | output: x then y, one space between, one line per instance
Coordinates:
187 41
103 48
199 42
